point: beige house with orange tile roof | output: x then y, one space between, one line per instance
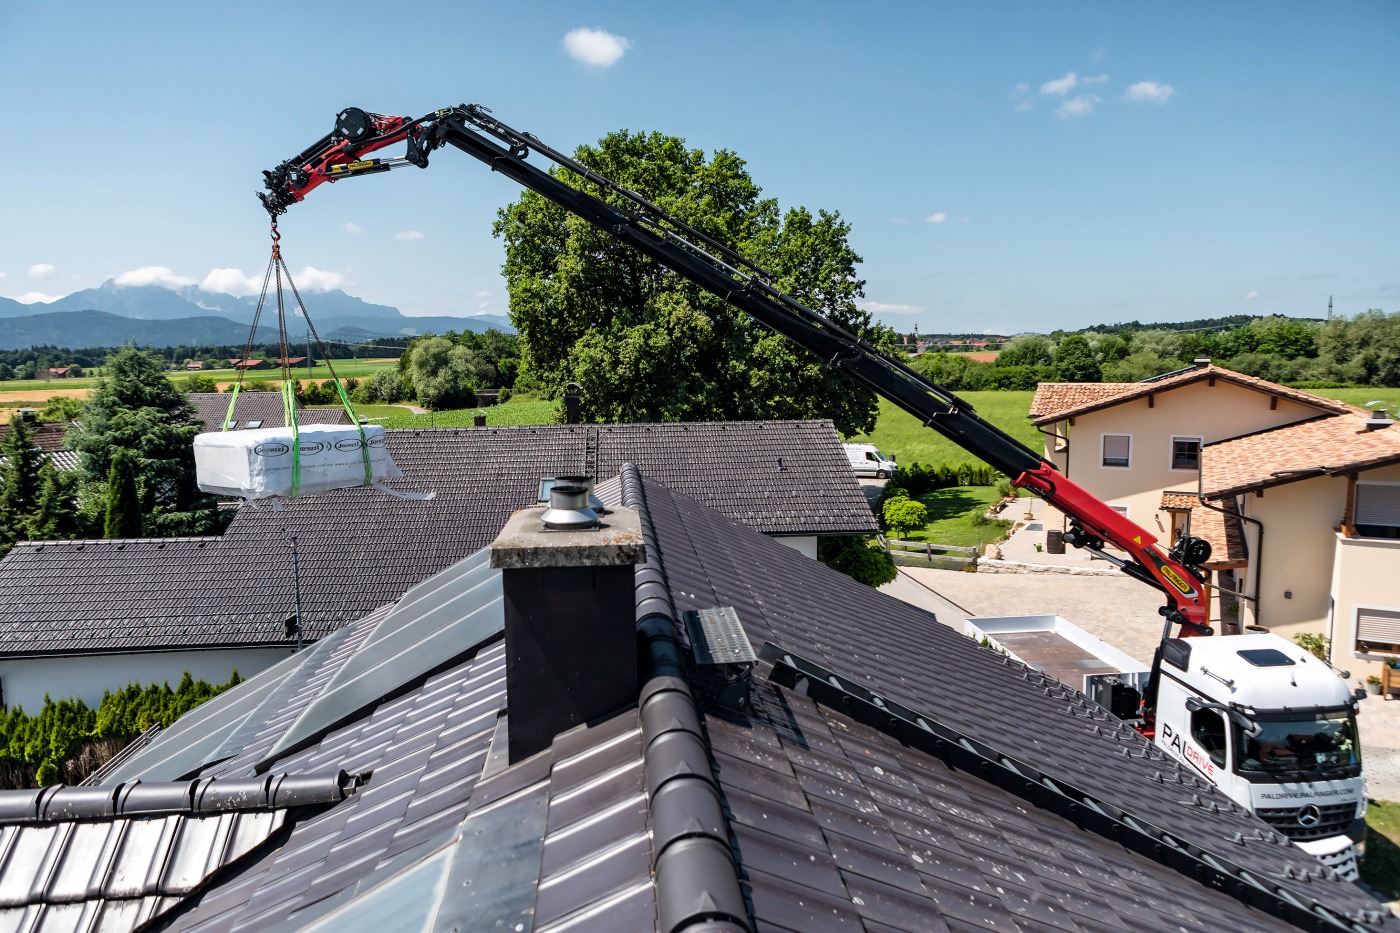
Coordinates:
1322 501
1150 448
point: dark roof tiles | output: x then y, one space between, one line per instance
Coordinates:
358 548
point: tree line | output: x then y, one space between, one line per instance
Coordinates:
68 740
1362 350
34 362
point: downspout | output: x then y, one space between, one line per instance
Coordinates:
1259 546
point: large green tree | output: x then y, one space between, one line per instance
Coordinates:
645 344
445 374
135 408
1074 361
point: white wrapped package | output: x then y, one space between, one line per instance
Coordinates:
257 464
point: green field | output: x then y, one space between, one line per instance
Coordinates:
519 410
374 412
901 434
1359 397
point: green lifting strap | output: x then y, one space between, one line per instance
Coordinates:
289 412
355 420
233 400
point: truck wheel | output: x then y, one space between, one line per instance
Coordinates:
880 474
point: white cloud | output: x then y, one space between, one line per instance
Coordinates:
41 269
1252 295
1093 79
4 275
154 275
1150 91
29 298
481 294
880 307
937 217
1080 106
319 280
899 221
1027 104
352 228
1060 86
231 282
234 282
408 235
1022 87
595 47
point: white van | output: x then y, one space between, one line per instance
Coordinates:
866 460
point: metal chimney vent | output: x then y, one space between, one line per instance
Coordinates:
1380 417
723 657
568 509
549 482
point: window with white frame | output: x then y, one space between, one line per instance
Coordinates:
1377 512
1186 453
1120 509
1378 630
1117 450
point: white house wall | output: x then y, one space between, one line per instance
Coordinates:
25 681
805 545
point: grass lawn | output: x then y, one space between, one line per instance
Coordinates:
899 433
950 514
345 369
518 410
1381 867
1359 397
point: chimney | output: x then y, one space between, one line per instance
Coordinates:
573 400
570 613
1202 361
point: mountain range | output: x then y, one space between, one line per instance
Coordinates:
152 315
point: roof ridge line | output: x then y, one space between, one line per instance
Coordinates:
693 859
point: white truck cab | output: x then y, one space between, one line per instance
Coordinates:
1275 729
1263 720
867 460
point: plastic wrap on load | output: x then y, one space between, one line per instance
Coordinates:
259 464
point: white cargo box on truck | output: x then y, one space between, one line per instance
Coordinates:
259 464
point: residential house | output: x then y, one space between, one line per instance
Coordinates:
80 616
248 364
1321 503
873 771
1197 449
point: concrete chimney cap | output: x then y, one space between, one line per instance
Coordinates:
524 544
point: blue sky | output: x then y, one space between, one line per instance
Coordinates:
1005 167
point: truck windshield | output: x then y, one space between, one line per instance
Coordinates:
1319 743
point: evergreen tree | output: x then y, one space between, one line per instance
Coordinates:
136 409
55 514
19 480
21 468
1074 361
123 500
